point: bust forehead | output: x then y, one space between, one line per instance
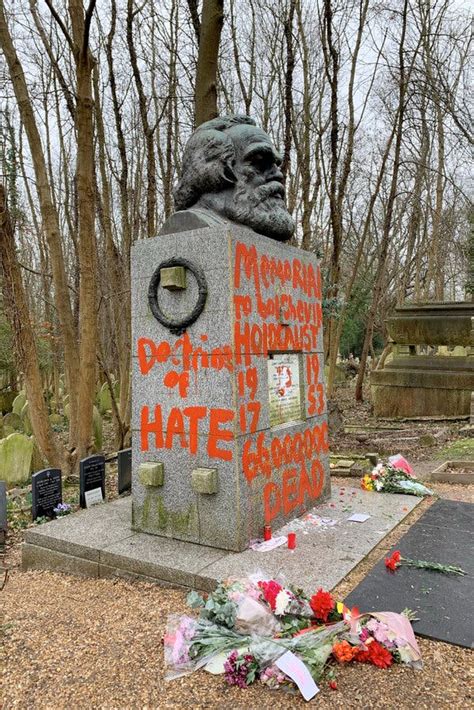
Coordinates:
248 139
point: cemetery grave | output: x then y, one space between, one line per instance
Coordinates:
147 607
349 681
198 485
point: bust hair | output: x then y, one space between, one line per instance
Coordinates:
208 161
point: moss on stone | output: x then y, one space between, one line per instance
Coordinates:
156 516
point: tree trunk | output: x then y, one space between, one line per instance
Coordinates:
205 99
147 128
86 213
387 225
16 310
49 217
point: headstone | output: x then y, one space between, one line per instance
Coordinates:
124 463
13 421
104 399
25 417
97 429
6 401
18 403
228 378
16 451
91 478
3 512
46 492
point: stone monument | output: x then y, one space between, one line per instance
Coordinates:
229 409
431 372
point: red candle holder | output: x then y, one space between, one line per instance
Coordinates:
267 532
291 540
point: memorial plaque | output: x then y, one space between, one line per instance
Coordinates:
46 492
3 512
124 462
284 390
91 476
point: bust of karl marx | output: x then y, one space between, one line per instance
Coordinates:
231 173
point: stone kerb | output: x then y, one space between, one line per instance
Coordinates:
202 405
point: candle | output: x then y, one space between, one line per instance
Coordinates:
291 540
267 532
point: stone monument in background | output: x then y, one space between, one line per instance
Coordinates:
431 372
229 410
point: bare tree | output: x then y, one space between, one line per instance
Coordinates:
205 100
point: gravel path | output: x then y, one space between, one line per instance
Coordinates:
80 643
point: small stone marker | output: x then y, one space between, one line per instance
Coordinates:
91 478
3 512
124 462
46 491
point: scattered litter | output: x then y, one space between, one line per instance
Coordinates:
267 545
358 518
297 671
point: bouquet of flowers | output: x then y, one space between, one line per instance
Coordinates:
246 625
389 478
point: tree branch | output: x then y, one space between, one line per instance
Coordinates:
61 25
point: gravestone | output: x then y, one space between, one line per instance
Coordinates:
3 512
16 451
414 383
124 464
18 403
229 423
46 492
91 481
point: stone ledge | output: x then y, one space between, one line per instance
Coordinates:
36 557
323 556
446 474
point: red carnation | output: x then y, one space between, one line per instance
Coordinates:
270 591
333 685
393 562
379 656
362 655
322 604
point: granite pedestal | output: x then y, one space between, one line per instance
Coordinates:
231 413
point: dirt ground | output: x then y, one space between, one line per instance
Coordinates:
80 643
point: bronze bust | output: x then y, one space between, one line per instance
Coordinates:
231 173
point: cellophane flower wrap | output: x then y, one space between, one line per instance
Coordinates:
246 625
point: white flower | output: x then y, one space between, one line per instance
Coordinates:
378 484
282 602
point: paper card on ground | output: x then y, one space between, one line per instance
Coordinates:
93 497
358 518
268 545
297 671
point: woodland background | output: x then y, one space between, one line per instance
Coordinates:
368 101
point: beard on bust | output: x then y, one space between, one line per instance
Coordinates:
262 209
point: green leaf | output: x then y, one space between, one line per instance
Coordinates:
194 600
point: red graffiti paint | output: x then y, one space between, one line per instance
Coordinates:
285 466
181 429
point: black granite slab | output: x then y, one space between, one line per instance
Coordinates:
91 476
124 464
46 492
443 603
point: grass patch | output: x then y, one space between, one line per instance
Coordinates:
459 449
